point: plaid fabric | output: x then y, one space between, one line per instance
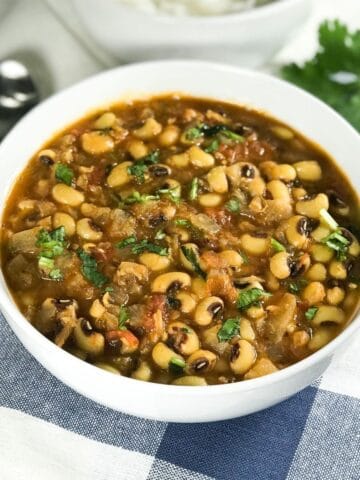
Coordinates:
47 431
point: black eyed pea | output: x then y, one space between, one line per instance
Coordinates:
321 253
65 220
254 244
187 301
256 187
87 339
154 261
351 299
47 156
143 372
107 367
242 357
328 314
66 195
187 247
278 171
119 175
200 362
96 143
241 173
317 272
279 265
198 287
278 190
272 283
199 158
313 293
137 149
167 281
311 208
321 337
207 310
169 136
210 200
159 170
217 180
297 231
308 170
190 381
232 258
180 160
298 193
105 121
211 340
337 270
282 132
97 309
182 338
162 355
149 130
335 295
87 230
246 330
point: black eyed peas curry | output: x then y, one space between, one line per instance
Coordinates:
184 241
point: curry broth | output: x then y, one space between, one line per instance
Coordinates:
221 317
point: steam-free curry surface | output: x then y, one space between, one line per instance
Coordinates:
184 241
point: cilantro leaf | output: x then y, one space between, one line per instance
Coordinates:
141 246
233 205
127 241
64 174
311 312
52 244
277 246
182 222
205 130
137 197
140 167
229 329
89 268
296 287
176 365
250 297
337 242
244 257
123 318
190 255
334 73
194 188
174 194
213 146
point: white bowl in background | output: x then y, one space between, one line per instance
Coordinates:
247 38
286 102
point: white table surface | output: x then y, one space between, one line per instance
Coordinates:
47 34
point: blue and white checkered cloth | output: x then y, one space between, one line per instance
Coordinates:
49 432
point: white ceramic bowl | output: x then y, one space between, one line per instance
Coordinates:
248 38
291 105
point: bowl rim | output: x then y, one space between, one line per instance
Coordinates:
275 7
37 339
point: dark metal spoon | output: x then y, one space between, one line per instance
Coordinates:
18 93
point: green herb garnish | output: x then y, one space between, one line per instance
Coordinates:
64 174
123 318
250 297
213 146
89 268
140 167
194 188
174 194
182 222
141 246
190 255
311 312
52 244
333 74
337 242
233 205
229 329
176 365
277 246
244 257
296 287
137 197
205 130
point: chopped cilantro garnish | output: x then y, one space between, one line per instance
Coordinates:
52 244
205 130
123 318
137 197
244 257
194 188
296 287
213 146
250 297
176 365
89 268
64 174
140 167
333 73
337 242
233 205
174 194
190 255
182 222
311 312
277 246
193 133
229 329
141 246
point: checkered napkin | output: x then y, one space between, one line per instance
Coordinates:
49 432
